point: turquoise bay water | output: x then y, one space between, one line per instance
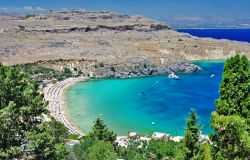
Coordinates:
133 104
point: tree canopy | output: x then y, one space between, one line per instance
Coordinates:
101 150
101 132
163 149
21 116
191 138
25 133
231 120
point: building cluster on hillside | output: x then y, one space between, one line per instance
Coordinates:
123 141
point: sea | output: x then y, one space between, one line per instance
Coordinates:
230 34
152 104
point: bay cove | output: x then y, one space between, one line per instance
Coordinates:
146 104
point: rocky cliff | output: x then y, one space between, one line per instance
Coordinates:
105 44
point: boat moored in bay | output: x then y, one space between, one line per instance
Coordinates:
173 76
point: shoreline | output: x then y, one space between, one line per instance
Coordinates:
64 117
59 98
64 99
54 94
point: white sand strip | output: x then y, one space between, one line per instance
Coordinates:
54 95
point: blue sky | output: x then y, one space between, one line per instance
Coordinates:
158 9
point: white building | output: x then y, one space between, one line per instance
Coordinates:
176 138
132 134
160 136
71 142
122 141
204 138
145 139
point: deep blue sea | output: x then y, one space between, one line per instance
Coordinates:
231 34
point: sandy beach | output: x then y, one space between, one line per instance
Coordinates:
54 94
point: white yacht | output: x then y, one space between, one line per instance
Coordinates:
173 76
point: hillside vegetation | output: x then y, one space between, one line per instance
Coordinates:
28 132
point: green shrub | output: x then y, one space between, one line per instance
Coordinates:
73 136
101 65
29 15
112 69
163 149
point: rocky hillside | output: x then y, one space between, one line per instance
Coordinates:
106 44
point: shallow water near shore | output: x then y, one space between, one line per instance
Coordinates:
145 105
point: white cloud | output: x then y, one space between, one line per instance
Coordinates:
25 9
40 9
28 8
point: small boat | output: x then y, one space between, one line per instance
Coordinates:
153 123
212 75
78 113
100 114
142 93
173 76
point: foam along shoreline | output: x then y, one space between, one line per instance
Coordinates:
54 95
